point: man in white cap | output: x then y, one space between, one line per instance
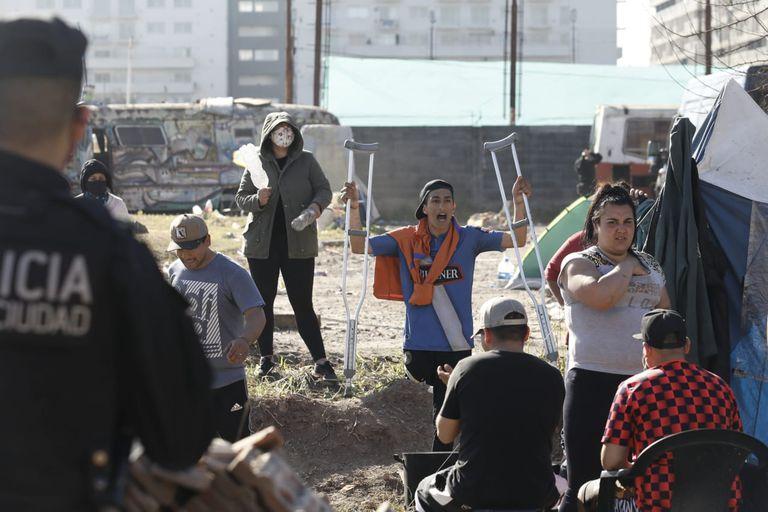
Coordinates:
228 312
505 406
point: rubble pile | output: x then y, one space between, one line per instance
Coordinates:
247 476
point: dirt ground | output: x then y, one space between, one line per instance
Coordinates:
343 447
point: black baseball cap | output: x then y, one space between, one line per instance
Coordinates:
429 187
39 47
656 325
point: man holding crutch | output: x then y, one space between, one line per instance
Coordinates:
430 267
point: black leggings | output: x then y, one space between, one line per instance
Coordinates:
230 404
299 277
421 366
588 399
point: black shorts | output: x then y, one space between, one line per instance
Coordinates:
421 365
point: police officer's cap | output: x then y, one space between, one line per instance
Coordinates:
36 47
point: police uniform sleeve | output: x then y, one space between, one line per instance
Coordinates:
164 378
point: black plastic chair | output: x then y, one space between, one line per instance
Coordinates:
705 463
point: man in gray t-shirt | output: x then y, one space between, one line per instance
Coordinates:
227 309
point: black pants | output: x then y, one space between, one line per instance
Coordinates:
299 277
588 399
230 404
421 366
425 502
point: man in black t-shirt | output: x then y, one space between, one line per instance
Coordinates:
504 405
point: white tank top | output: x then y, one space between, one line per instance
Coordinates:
602 340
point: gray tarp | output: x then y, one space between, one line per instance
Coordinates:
674 241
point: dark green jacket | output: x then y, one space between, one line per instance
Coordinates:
300 183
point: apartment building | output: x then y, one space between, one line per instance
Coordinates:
738 36
145 50
582 31
256 48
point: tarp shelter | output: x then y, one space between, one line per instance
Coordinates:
421 92
731 149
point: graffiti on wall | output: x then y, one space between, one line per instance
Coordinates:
169 157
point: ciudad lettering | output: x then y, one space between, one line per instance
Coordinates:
44 293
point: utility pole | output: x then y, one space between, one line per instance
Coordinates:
707 37
505 60
289 52
318 49
513 64
432 21
128 72
573 36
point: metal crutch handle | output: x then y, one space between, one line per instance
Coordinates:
361 147
501 144
350 345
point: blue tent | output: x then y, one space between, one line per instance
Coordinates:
731 152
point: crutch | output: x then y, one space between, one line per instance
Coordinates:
550 344
350 346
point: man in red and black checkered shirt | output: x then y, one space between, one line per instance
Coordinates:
671 396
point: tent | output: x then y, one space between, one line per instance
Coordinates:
709 231
568 222
731 150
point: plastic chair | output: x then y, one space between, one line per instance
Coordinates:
705 463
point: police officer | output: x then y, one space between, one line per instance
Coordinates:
95 347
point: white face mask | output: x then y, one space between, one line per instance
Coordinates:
282 137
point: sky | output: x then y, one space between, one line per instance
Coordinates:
634 20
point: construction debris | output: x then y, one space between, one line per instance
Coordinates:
247 476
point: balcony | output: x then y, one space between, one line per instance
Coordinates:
387 23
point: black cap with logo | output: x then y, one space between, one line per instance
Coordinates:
429 187
658 324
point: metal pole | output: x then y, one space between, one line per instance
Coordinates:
288 52
707 38
504 59
513 65
129 72
432 21
573 36
318 49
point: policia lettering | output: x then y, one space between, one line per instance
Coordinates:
44 293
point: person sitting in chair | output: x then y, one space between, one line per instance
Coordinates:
671 396
504 406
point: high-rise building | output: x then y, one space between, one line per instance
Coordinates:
145 50
582 31
739 32
256 48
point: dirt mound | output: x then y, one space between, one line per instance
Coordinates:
360 436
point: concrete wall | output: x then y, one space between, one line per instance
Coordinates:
410 156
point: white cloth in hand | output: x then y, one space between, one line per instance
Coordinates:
304 219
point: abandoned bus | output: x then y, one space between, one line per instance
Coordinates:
168 157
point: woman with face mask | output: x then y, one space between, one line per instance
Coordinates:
606 288
96 184
283 196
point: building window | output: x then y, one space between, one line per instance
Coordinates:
418 13
450 38
266 55
256 31
539 15
358 39
154 4
44 4
386 39
73 4
266 7
126 7
639 131
256 80
102 78
480 15
182 76
449 15
140 135
258 55
182 3
155 27
245 6
182 28
101 54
